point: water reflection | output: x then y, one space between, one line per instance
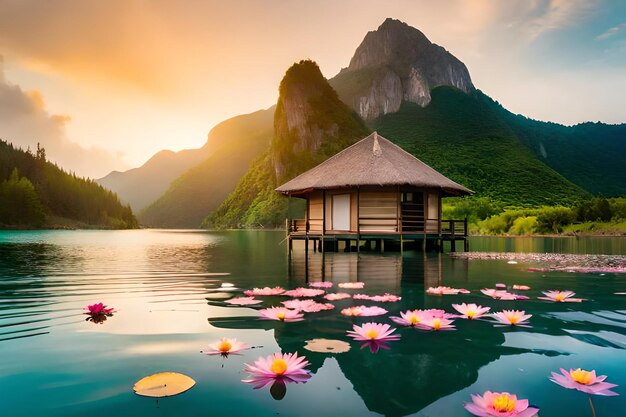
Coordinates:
379 271
165 284
404 377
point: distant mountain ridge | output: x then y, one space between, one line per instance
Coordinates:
235 143
141 186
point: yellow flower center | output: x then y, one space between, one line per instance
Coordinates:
280 316
470 314
436 324
414 319
504 403
513 319
371 334
580 376
559 297
225 346
279 366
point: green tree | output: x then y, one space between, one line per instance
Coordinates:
20 203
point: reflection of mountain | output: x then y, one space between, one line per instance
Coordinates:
420 368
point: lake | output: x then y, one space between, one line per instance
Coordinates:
168 287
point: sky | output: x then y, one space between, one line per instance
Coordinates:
105 85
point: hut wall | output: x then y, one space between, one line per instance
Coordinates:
378 211
432 212
316 212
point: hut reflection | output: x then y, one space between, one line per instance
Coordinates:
378 271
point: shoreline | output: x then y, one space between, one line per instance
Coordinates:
604 233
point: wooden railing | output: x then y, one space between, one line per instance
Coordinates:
454 227
449 228
297 225
301 226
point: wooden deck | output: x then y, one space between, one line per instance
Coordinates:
451 231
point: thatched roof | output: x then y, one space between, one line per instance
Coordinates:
372 161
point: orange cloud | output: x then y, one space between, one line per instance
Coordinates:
25 122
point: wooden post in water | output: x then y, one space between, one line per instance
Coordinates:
358 219
453 238
323 220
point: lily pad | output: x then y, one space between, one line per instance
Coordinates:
164 384
327 346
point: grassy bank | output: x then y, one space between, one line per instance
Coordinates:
596 216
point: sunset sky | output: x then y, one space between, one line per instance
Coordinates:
106 84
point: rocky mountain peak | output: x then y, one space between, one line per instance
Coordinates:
397 63
309 116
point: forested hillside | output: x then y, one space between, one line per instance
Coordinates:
37 193
463 137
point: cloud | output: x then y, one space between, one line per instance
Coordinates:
609 33
116 39
532 18
24 121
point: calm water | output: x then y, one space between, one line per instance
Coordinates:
167 287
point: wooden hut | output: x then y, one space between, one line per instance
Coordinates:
373 191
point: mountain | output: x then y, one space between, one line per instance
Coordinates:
310 125
37 193
465 131
141 186
394 64
234 144
422 97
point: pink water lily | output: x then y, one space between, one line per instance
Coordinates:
502 294
353 285
264 291
243 301
500 404
560 297
287 367
323 284
281 314
225 347
521 287
337 296
373 331
409 318
308 306
304 292
446 291
385 298
512 317
500 285
99 308
585 381
363 311
470 311
435 324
